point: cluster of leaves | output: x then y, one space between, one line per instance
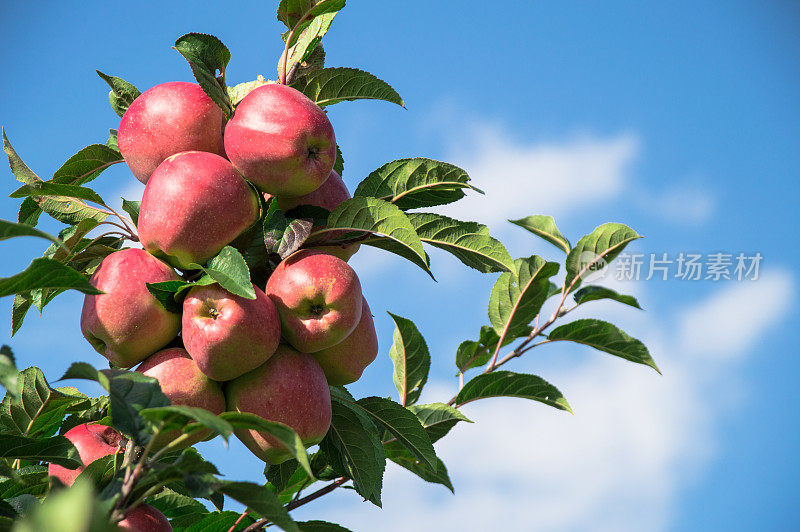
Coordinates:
385 212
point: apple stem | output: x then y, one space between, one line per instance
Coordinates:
289 40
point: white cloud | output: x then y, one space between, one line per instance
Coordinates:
549 178
685 204
635 442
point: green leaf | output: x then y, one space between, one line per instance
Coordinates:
605 337
283 235
32 480
211 522
122 93
415 183
132 208
594 293
321 526
22 302
46 273
306 39
260 499
69 211
468 241
284 434
436 474
180 509
518 296
180 416
508 384
29 212
34 408
338 165
168 293
353 446
328 86
57 450
87 164
8 370
471 354
291 11
206 55
392 246
402 424
240 90
544 227
411 359
375 216
287 478
112 140
50 188
100 472
11 229
20 170
437 418
229 269
595 250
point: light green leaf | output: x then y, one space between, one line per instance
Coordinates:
415 183
328 86
112 140
19 169
306 40
411 359
595 250
8 370
122 93
508 384
291 11
595 293
180 416
544 227
46 273
468 241
605 337
438 419
518 296
239 91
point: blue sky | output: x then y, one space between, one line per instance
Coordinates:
680 119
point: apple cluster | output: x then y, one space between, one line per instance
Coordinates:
206 182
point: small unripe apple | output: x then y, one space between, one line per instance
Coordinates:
165 120
195 204
345 362
228 335
328 196
127 324
144 518
281 141
289 388
318 297
92 442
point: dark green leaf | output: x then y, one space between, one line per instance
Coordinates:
544 227
132 208
46 273
392 246
11 229
260 499
20 170
180 509
180 416
57 450
122 93
333 85
29 212
169 293
100 472
282 235
353 446
518 296
206 56
87 164
32 480
468 241
436 474
594 293
471 354
49 188
595 250
291 11
508 384
321 526
605 337
211 522
402 424
338 165
415 183
411 359
437 418
22 302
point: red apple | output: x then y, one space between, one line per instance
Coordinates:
289 388
318 297
195 204
92 442
345 362
165 120
144 518
228 335
328 196
281 141
127 324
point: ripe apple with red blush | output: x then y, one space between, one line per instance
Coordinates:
144 518
195 204
344 362
318 297
289 388
92 442
126 324
228 335
281 141
167 119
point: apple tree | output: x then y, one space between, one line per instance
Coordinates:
225 305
